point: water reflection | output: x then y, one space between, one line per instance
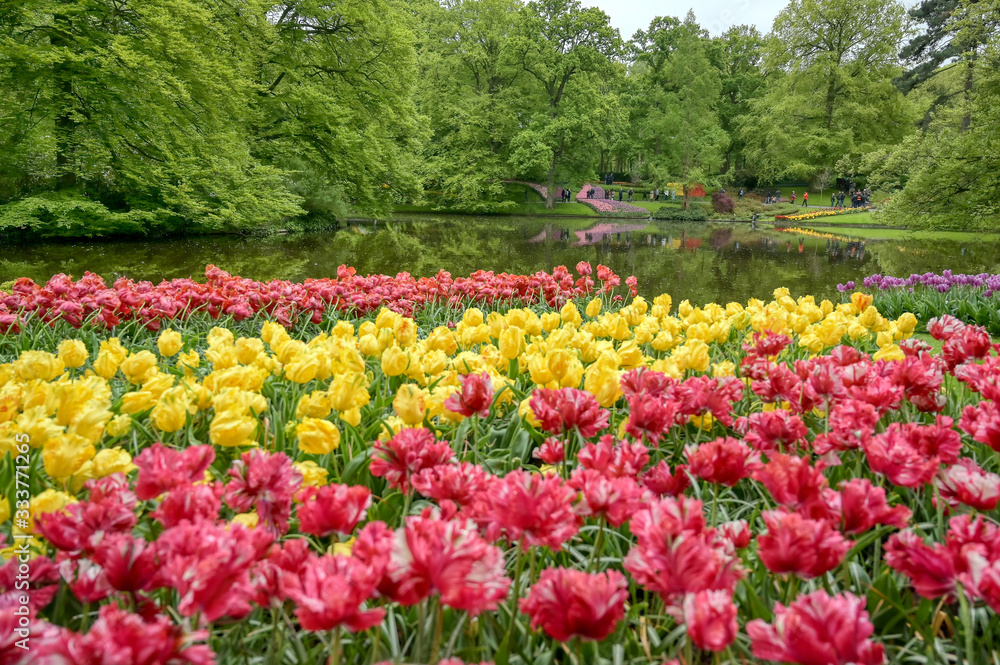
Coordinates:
697 260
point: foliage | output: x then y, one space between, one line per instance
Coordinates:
199 116
946 177
694 213
722 203
830 92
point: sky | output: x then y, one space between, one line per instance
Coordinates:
714 15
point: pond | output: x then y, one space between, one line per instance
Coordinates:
699 261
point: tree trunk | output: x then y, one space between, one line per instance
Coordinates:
550 184
64 122
967 118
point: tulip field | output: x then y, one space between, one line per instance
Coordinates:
534 469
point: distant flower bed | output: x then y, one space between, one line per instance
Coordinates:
609 207
90 301
973 299
821 213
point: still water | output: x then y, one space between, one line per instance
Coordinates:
702 262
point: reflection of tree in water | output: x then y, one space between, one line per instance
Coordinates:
700 262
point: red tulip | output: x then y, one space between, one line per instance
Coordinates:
476 396
818 629
568 603
724 461
800 546
332 509
710 618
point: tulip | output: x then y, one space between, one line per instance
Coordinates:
317 437
72 352
409 404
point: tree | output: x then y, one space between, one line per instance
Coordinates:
738 55
472 87
200 115
831 64
946 177
561 47
937 50
681 129
132 118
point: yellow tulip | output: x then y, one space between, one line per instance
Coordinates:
511 342
594 307
570 314
315 405
550 321
169 342
394 361
65 454
105 365
348 392
665 301
405 332
230 429
473 317
861 301
220 337
249 520
112 460
40 365
188 361
409 404
302 368
139 367
369 346
4 509
906 324
317 437
171 410
603 383
119 426
247 349
313 475
891 352
73 353
343 549
90 422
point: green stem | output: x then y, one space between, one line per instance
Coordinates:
967 627
438 626
335 648
598 544
518 569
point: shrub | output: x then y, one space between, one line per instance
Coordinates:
696 213
722 203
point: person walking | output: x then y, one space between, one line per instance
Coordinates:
833 200
741 193
619 195
631 195
793 197
805 198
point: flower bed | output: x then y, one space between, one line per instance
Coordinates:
821 213
90 301
609 207
973 299
790 481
